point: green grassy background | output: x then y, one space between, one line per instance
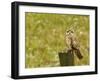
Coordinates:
44 36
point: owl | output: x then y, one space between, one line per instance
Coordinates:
72 43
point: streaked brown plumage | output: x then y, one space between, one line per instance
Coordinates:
72 43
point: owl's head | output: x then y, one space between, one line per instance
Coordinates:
69 32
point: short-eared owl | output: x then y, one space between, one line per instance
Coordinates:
72 43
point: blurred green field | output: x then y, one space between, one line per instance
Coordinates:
44 38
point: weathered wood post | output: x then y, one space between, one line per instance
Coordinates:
66 58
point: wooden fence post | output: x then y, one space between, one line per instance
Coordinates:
67 58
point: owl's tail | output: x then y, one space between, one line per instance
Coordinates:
78 54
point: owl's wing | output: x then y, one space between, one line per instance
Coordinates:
76 42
